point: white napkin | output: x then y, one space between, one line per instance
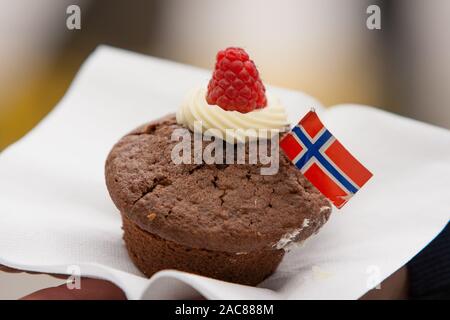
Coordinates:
56 215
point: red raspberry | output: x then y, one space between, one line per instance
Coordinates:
235 84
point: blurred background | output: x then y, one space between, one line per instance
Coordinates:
321 47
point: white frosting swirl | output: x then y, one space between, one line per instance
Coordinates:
218 121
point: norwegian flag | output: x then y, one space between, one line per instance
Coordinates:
323 160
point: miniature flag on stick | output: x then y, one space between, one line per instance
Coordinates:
323 160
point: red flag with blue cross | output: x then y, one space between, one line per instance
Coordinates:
323 160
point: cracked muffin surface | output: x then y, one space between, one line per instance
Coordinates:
224 207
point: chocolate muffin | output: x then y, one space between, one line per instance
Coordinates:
225 221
